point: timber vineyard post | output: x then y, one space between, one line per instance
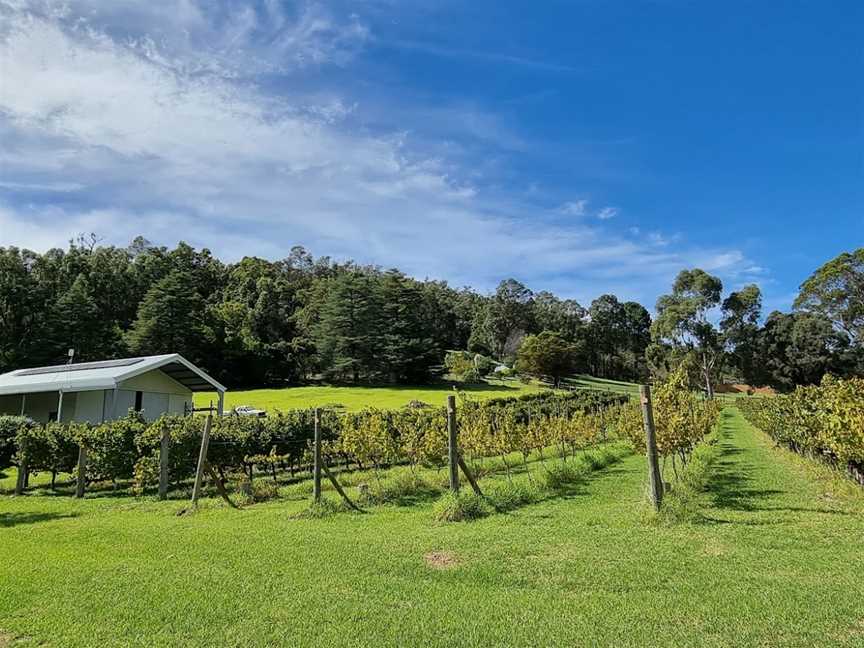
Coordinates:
651 446
316 485
82 471
452 446
202 460
164 451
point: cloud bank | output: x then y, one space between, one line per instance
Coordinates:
162 119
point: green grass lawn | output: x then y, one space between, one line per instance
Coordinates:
356 398
775 560
590 382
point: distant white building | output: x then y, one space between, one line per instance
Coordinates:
94 392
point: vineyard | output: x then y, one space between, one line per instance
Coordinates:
533 427
129 449
824 421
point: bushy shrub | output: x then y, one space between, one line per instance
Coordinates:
403 486
325 508
683 502
460 507
458 362
565 473
52 447
511 495
9 426
111 447
471 377
483 365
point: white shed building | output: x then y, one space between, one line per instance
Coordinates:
94 392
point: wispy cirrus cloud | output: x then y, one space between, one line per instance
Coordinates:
158 126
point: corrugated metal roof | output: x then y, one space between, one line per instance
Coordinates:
89 376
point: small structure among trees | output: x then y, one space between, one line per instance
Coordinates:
95 392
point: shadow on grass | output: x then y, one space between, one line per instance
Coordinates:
16 519
731 488
564 481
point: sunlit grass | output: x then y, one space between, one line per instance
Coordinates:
773 558
356 398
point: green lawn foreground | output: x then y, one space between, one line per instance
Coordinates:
776 561
357 398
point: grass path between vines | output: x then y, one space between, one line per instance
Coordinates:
776 560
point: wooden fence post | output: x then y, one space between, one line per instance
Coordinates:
164 454
469 476
316 484
651 447
81 482
21 482
202 460
452 446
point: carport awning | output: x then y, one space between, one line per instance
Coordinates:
89 376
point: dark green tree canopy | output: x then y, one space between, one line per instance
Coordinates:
547 354
682 320
739 328
262 322
799 349
836 291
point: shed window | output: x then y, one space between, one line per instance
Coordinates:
139 398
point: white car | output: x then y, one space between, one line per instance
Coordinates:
247 410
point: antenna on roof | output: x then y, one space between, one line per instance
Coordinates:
71 355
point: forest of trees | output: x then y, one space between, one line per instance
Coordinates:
258 322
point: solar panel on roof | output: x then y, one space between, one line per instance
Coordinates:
83 366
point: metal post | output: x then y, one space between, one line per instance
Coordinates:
654 477
60 407
220 408
452 446
316 485
23 403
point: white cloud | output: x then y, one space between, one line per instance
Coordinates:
159 133
574 208
607 212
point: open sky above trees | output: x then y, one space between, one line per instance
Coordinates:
581 148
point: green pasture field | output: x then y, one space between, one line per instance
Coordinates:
772 559
357 398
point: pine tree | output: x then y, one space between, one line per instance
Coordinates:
170 319
79 324
407 351
347 335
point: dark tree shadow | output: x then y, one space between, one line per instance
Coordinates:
731 488
15 519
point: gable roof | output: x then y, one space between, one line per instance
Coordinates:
89 376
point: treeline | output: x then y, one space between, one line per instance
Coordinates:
824 334
259 322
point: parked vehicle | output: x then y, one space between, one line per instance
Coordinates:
248 410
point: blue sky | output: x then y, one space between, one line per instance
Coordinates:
582 147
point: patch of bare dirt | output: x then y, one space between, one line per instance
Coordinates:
438 560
